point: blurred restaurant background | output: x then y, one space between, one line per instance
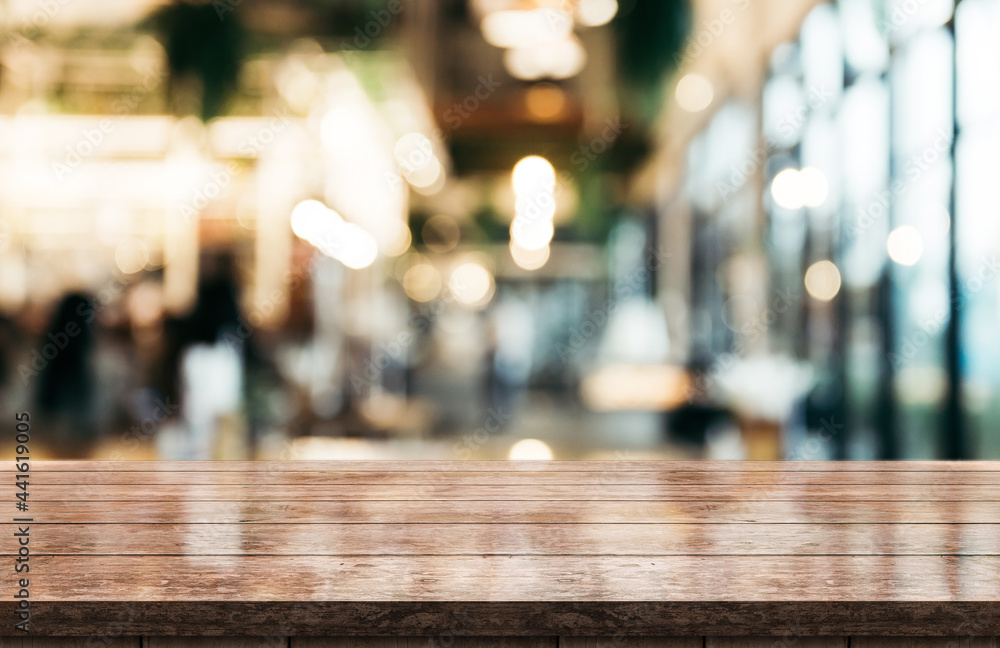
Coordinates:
492 229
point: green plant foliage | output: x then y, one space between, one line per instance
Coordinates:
203 42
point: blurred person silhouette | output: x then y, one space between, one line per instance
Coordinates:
208 352
215 313
10 339
65 394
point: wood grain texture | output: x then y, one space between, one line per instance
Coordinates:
275 641
520 512
626 641
519 466
787 641
524 492
515 478
631 618
481 550
92 641
536 579
446 640
924 642
516 540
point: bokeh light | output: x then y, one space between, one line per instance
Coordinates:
531 234
694 93
815 188
788 189
131 255
545 101
422 282
593 13
822 280
533 174
471 284
530 450
529 259
905 245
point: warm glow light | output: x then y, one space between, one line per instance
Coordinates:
131 255
358 248
339 129
529 259
308 218
634 388
531 234
814 187
593 13
5 235
471 284
545 101
526 28
559 60
145 304
530 450
905 245
422 282
400 240
432 188
326 229
694 93
541 206
823 280
533 174
413 151
788 189
299 87
521 63
422 169
426 176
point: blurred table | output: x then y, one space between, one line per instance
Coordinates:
526 554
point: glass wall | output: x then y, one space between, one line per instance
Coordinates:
874 225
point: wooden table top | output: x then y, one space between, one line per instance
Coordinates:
511 548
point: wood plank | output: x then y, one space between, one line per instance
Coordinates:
923 642
563 492
625 641
518 618
274 641
786 641
527 549
519 466
512 539
473 478
93 641
523 512
449 639
863 579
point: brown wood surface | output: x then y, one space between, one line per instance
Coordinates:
546 492
625 641
781 642
516 512
585 549
446 640
522 466
451 640
924 642
583 539
518 478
